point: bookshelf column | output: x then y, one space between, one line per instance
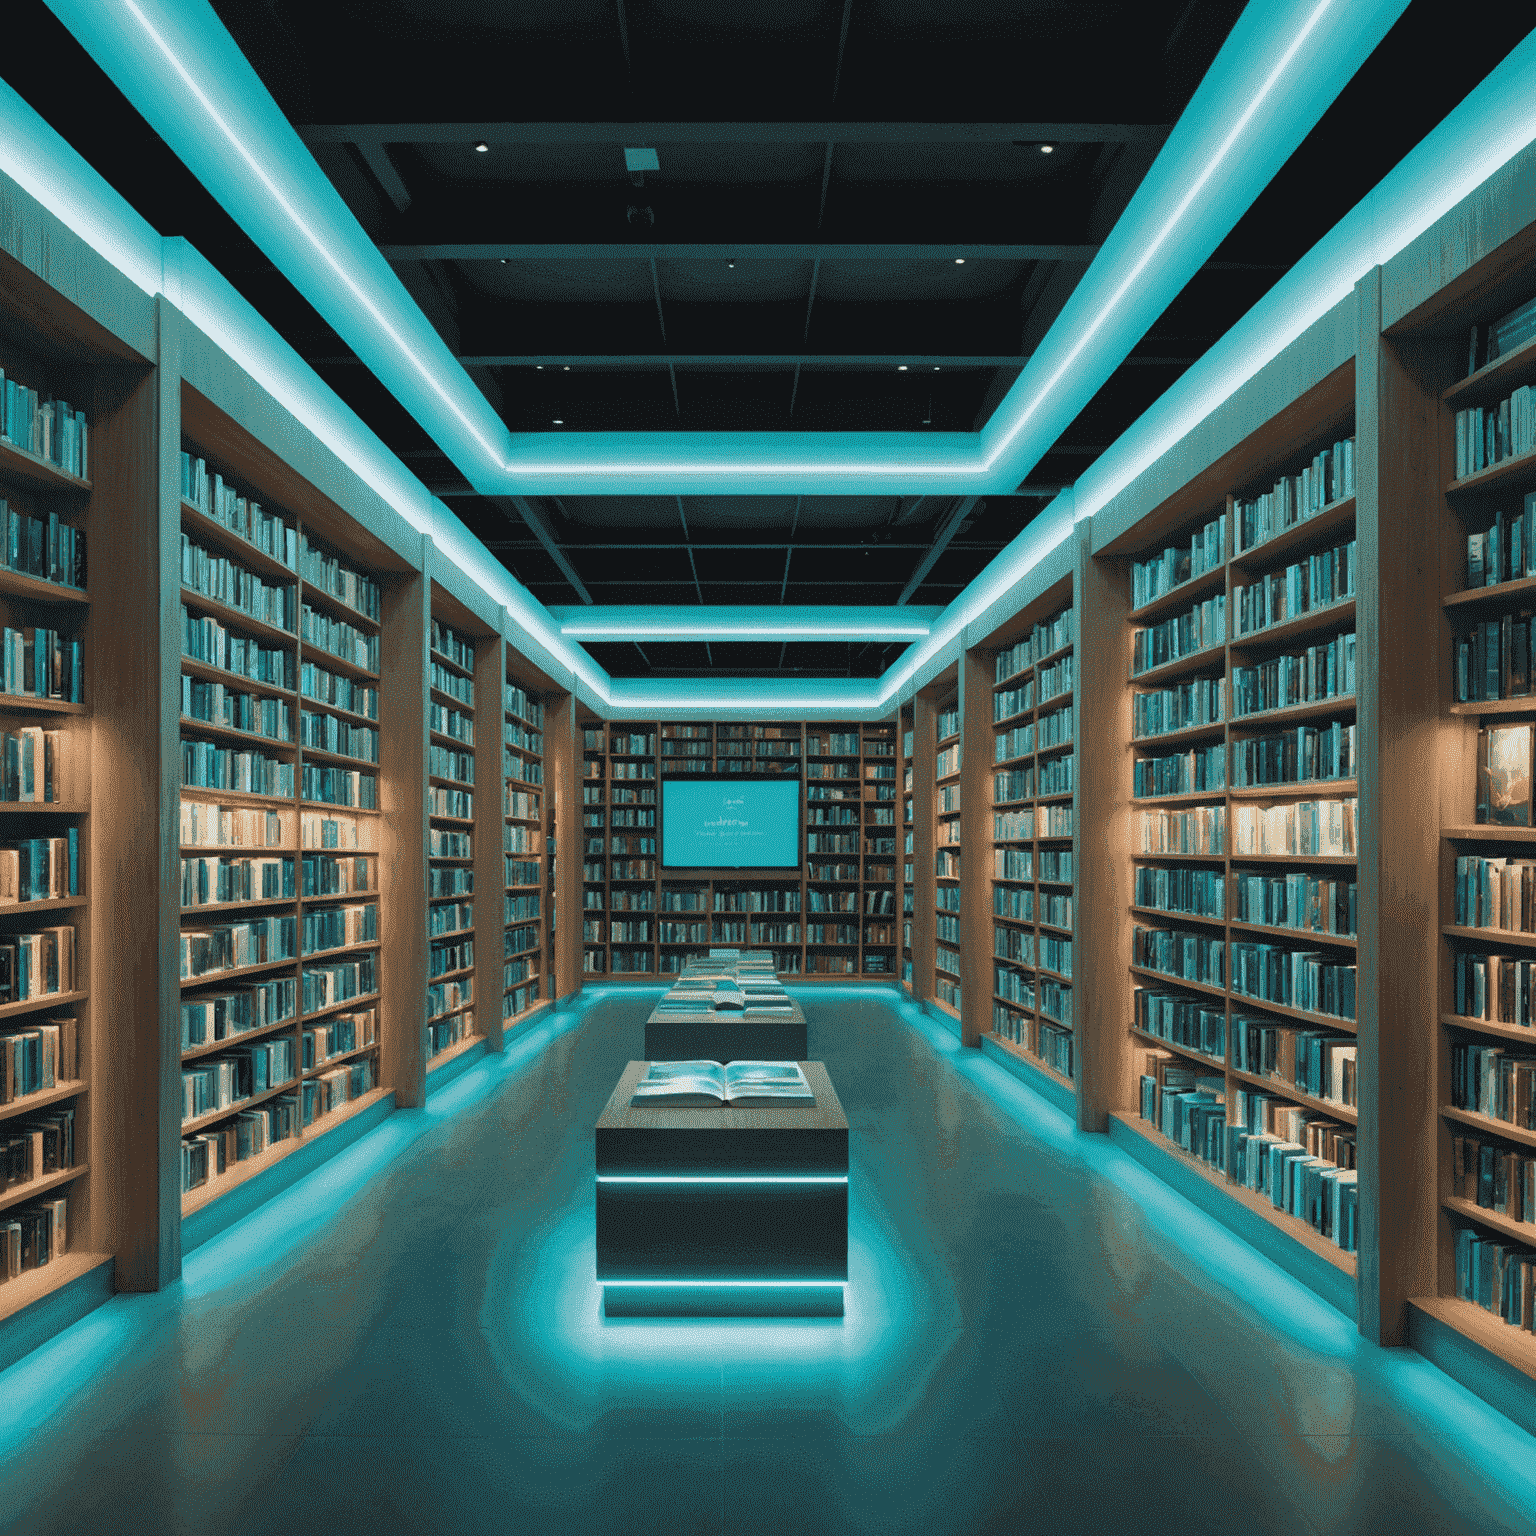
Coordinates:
133 683
562 789
976 674
406 627
490 796
924 755
1398 476
1101 834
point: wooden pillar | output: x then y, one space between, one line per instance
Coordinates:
562 784
1101 833
490 806
403 641
1399 474
976 674
924 756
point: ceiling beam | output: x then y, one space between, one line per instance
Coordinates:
646 250
660 133
942 535
539 525
640 361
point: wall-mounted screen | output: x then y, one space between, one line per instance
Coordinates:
730 823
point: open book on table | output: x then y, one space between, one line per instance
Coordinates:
708 1084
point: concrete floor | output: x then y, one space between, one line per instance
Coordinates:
1039 1337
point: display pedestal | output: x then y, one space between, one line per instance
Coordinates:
726 1037
722 1212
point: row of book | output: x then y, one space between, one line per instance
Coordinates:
221 580
1298 756
1008 702
326 733
1325 671
616 818
1046 637
37 1147
450 917
220 1083
1305 902
457 804
1013 901
1191 1023
1200 830
255 713
1201 701
213 1016
223 826
1498 1277
207 765
208 881
337 690
443 843
522 872
1495 893
214 497
33 1236
519 702
1496 988
40 868
1019 864
445 763
231 946
454 684
1502 336
1494 1176
40 964
1057 775
1496 1081
946 723
1329 478
48 428
1317 581
41 664
1293 978
339 638
1316 828
452 881
453 955
519 969
1493 660
1191 892
338 786
338 580
451 722
1189 956
1042 821
1055 680
1488 435
204 639
1313 1062
38 1057
324 986
1172 567
1203 627
1199 770
323 928
32 766
948 761
445 997
1056 910
1506 551
42 547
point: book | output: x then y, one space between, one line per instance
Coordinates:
1504 776
708 1084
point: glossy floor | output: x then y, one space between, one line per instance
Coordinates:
1039 1337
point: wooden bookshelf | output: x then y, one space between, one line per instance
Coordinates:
527 870
905 771
1024 750
835 916
1219 654
464 680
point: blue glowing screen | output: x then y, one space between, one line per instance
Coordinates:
730 823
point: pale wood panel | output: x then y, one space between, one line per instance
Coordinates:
490 801
976 672
924 755
562 783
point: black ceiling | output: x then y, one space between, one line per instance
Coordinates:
822 164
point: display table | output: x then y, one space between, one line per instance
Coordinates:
726 1036
722 1211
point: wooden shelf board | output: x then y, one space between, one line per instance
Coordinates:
364 1000
1503 1129
1522 706
43 808
34 589
1500 936
1497 477
1180 666
1494 1027
1289 629
237 973
1013 1048
1496 594
1334 939
1207 583
261 903
1199 858
316 653
199 525
1488 834
1182 917
235 737
1507 1226
1178 981
23 464
229 1042
1289 1225
1296 1095
1295 714
237 618
213 1116
317 596
1514 1346
1306 789
1183 1050
210 673
35 1004
240 797
1493 379
1317 1020
1194 797
1330 518
1185 733
31 1103
34 1284
19 1194
331 1063
338 759
1330 860
30 702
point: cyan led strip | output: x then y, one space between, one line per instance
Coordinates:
721 1178
799 1285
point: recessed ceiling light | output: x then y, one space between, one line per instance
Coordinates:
1047 149
482 147
731 264
539 366
901 367
959 261
935 367
559 421
567 367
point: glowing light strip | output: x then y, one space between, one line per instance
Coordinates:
799 1285
722 1178
767 630
1158 241
275 192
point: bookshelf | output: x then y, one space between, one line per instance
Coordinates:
1022 683
280 820
944 823
905 772
835 917
527 874
1239 808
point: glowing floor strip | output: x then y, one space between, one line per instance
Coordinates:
724 1178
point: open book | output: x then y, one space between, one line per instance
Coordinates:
707 1085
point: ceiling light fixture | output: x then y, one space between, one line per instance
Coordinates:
559 421
959 261
1047 149
482 148
731 265
901 367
